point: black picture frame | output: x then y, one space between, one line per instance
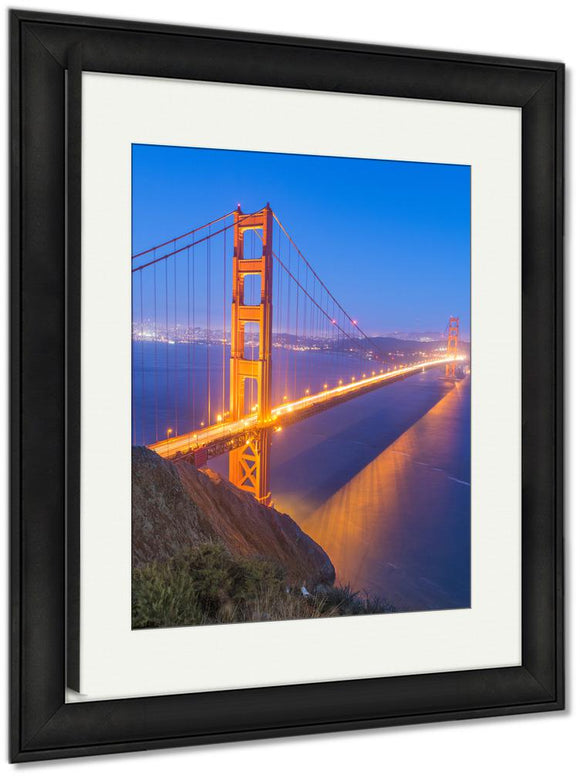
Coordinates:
48 54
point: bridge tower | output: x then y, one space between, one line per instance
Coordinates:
452 338
249 465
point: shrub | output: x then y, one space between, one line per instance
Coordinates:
164 596
208 585
205 585
345 602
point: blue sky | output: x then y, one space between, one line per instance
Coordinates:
390 239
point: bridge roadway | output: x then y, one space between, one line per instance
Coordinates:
224 436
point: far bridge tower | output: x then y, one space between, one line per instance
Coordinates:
452 340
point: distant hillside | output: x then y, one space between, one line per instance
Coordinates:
176 507
392 344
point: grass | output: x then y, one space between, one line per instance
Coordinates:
209 586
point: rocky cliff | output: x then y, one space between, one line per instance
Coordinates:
177 506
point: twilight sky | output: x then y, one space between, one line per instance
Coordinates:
390 239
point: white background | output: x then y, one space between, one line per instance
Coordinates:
535 745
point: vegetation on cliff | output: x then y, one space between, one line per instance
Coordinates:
208 585
207 553
177 507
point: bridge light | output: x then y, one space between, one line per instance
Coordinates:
202 424
354 322
339 382
364 375
219 418
277 429
307 391
352 378
285 397
325 386
373 373
169 430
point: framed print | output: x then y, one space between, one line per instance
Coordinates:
287 386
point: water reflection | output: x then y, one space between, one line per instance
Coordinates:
382 483
400 528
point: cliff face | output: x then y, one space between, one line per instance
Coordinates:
177 506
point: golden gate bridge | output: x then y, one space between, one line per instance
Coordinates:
235 337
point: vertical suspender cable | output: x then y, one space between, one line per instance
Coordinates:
224 336
193 336
287 392
296 334
142 361
166 416
189 346
207 324
175 341
155 349
280 308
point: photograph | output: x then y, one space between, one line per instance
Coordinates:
300 386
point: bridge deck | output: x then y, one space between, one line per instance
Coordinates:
219 438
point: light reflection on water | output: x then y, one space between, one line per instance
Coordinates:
399 526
